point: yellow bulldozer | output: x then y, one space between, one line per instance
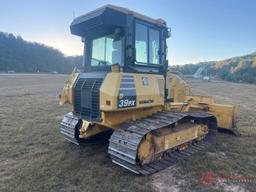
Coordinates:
125 87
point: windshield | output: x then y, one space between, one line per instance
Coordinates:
106 51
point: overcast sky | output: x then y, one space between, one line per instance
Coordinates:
201 29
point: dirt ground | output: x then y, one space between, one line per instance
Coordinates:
35 157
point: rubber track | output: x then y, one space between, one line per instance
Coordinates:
125 141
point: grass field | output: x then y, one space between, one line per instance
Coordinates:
35 157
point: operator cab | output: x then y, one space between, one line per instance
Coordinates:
117 36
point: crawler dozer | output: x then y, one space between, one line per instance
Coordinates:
125 87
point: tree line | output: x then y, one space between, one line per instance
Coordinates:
237 69
19 55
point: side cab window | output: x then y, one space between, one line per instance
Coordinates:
147 45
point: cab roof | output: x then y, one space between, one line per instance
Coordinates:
108 15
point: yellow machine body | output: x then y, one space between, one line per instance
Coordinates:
167 138
149 91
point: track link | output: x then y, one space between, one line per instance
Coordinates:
125 141
67 127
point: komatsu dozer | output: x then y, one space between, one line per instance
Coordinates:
125 86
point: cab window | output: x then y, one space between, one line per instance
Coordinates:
153 46
146 44
141 39
106 51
